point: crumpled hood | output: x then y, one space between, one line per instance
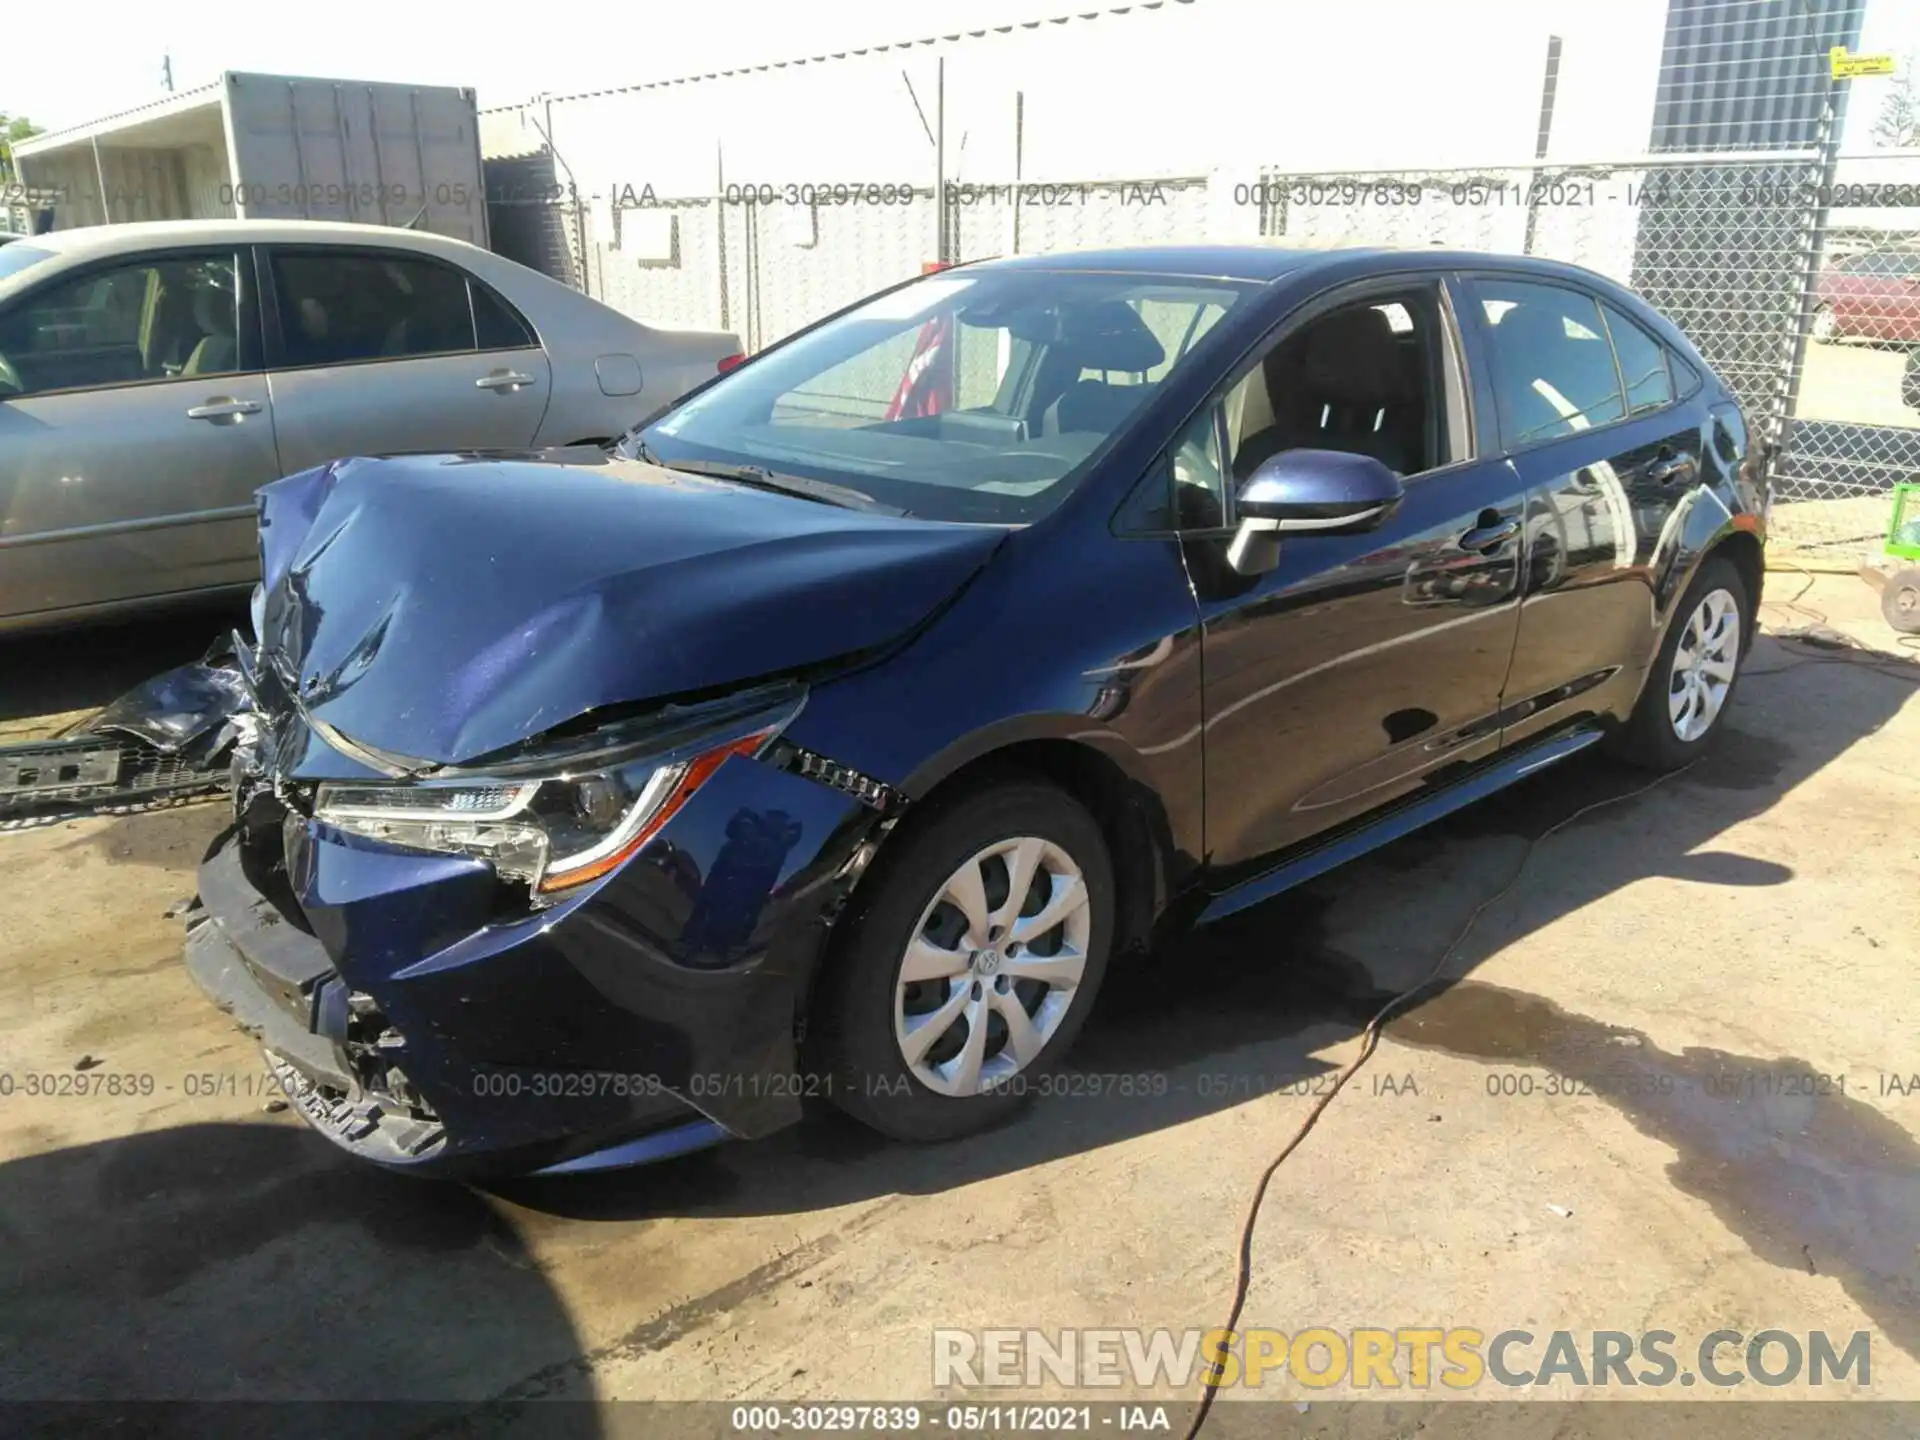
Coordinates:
442 607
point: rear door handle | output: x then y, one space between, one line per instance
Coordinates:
1490 537
503 380
223 408
1674 467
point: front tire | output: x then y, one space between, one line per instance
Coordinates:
1690 685
968 963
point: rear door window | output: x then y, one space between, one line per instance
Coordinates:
338 308
1553 368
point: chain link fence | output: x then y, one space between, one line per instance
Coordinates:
1752 254
1741 253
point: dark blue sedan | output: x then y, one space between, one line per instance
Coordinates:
829 735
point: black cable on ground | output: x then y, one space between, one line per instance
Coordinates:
1369 1041
1816 635
1819 634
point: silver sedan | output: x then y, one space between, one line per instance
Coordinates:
152 376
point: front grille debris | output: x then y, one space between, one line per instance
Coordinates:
50 782
163 742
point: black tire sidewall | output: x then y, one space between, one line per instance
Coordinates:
856 1044
1649 739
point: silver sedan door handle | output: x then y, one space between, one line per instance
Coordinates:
503 380
224 409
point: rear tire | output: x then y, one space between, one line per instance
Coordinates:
1691 682
998 994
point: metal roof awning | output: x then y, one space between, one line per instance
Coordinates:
165 122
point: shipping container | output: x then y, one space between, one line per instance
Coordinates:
269 147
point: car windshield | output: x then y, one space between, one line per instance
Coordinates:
966 395
17 255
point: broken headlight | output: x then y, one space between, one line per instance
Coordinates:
554 831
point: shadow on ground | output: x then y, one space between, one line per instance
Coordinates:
83 667
1236 1010
248 1263
254 1261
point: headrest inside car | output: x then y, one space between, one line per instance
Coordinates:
1353 353
1109 336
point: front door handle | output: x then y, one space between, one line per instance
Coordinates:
1490 537
1674 467
503 380
224 410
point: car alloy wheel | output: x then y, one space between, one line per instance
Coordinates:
1825 324
1704 665
992 967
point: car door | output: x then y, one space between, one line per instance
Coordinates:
378 351
135 425
1595 417
1363 665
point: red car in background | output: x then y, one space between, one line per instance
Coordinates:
1872 296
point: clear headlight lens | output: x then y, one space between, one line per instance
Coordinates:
554 832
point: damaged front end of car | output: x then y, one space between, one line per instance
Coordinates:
589 951
485 925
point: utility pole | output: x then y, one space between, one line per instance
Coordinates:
1549 89
1019 158
941 238
166 72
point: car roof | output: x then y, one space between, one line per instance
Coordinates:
1260 264
91 240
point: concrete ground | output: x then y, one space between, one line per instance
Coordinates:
1721 969
1856 380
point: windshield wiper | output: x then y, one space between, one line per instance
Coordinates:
761 478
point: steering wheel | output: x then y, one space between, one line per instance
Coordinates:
10 377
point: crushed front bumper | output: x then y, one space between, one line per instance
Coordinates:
421 1023
323 1040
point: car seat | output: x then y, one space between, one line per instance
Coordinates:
1348 383
218 349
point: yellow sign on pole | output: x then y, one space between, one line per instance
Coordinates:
1849 67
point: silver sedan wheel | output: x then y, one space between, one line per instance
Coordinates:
992 967
1704 665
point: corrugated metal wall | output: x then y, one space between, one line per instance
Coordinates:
1749 74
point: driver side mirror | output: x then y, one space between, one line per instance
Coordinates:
1321 492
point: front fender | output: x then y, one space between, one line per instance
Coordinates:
1038 653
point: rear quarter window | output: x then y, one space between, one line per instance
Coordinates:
497 325
1643 364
